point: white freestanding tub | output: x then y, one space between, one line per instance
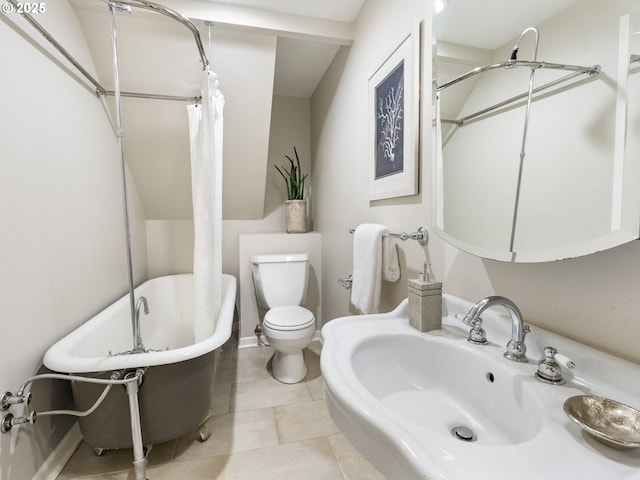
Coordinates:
175 395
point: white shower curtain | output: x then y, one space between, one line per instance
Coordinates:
205 132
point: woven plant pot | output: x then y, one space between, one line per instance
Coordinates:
296 211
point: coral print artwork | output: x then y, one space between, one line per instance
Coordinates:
389 156
394 123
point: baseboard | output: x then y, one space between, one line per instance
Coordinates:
55 462
252 341
247 342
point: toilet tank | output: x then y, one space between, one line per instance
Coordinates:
280 280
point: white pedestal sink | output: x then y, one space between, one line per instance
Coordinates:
443 386
433 406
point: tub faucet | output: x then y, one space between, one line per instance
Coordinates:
137 338
516 349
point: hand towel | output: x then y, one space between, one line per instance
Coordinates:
390 261
371 265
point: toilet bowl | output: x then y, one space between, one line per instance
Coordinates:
289 330
280 282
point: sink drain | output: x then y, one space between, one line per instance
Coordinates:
464 433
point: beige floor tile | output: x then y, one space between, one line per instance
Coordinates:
194 469
105 476
84 463
232 432
266 393
221 399
251 365
303 421
308 460
252 413
108 476
315 347
352 465
316 387
312 360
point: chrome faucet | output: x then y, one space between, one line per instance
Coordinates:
137 338
516 349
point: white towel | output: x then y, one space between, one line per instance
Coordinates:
390 261
368 266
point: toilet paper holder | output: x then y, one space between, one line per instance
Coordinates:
346 282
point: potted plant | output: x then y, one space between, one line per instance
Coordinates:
296 205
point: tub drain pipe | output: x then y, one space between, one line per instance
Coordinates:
139 458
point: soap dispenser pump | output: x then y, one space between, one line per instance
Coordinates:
425 302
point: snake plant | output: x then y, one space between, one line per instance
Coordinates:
293 178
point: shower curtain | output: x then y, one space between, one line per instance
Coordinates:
205 132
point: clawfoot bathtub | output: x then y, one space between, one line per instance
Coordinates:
176 392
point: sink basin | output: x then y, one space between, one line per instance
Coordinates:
433 406
442 386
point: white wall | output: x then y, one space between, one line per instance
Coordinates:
62 243
572 130
158 55
340 136
593 299
171 241
268 243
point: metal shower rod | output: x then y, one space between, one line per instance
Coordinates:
574 69
154 7
143 4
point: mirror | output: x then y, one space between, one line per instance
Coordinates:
564 179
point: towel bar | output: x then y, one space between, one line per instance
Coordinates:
421 235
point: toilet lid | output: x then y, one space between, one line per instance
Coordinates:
288 318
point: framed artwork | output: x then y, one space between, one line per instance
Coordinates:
394 131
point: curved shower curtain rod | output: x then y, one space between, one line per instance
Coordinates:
143 4
593 70
575 70
154 7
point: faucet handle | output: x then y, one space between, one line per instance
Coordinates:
549 370
477 334
564 361
464 319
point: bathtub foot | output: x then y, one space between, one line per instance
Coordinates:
203 433
98 452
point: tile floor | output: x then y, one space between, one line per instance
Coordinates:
261 429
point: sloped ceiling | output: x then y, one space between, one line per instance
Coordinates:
157 55
490 24
340 10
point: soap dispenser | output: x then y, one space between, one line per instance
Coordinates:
425 302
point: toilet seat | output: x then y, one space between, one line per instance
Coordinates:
288 318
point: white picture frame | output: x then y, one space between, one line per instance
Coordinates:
394 121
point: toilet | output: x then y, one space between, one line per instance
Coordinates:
281 283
